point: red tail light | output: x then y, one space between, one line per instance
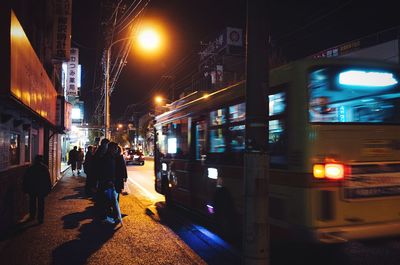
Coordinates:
334 171
330 171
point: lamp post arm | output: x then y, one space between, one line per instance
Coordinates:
107 89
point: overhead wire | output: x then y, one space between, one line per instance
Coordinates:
138 13
127 15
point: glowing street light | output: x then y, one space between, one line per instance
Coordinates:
159 100
149 39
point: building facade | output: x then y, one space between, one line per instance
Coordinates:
32 104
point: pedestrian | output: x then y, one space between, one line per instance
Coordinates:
79 160
37 184
99 172
108 184
90 184
72 159
121 172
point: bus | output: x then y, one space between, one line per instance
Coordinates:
333 145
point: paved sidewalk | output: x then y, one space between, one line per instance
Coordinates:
71 235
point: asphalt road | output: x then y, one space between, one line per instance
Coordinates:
215 250
191 229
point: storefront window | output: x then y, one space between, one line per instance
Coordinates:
14 149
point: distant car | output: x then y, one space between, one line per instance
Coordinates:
134 157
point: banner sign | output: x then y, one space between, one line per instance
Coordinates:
62 30
30 83
234 37
72 73
228 38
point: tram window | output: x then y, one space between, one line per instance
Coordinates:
200 140
277 142
172 147
277 103
178 139
237 112
161 142
349 95
182 135
237 137
217 141
218 117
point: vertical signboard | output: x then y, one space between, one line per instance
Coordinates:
62 30
72 73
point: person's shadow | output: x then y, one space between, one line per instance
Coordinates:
92 236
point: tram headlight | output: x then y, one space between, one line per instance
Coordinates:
212 173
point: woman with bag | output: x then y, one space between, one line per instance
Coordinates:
107 184
121 172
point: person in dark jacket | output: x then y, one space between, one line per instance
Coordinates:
73 158
121 174
37 184
90 184
99 173
107 183
79 160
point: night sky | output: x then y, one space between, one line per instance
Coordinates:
298 28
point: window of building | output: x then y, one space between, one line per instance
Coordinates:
14 149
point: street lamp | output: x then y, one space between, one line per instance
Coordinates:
159 104
147 39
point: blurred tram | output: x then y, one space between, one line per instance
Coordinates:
334 147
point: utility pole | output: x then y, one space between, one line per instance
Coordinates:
256 158
107 96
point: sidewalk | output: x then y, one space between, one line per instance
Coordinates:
70 234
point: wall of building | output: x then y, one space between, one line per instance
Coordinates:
27 122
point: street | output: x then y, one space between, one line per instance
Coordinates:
154 234
208 245
192 230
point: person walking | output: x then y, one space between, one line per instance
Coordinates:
72 159
79 160
99 173
36 183
90 184
108 185
121 174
